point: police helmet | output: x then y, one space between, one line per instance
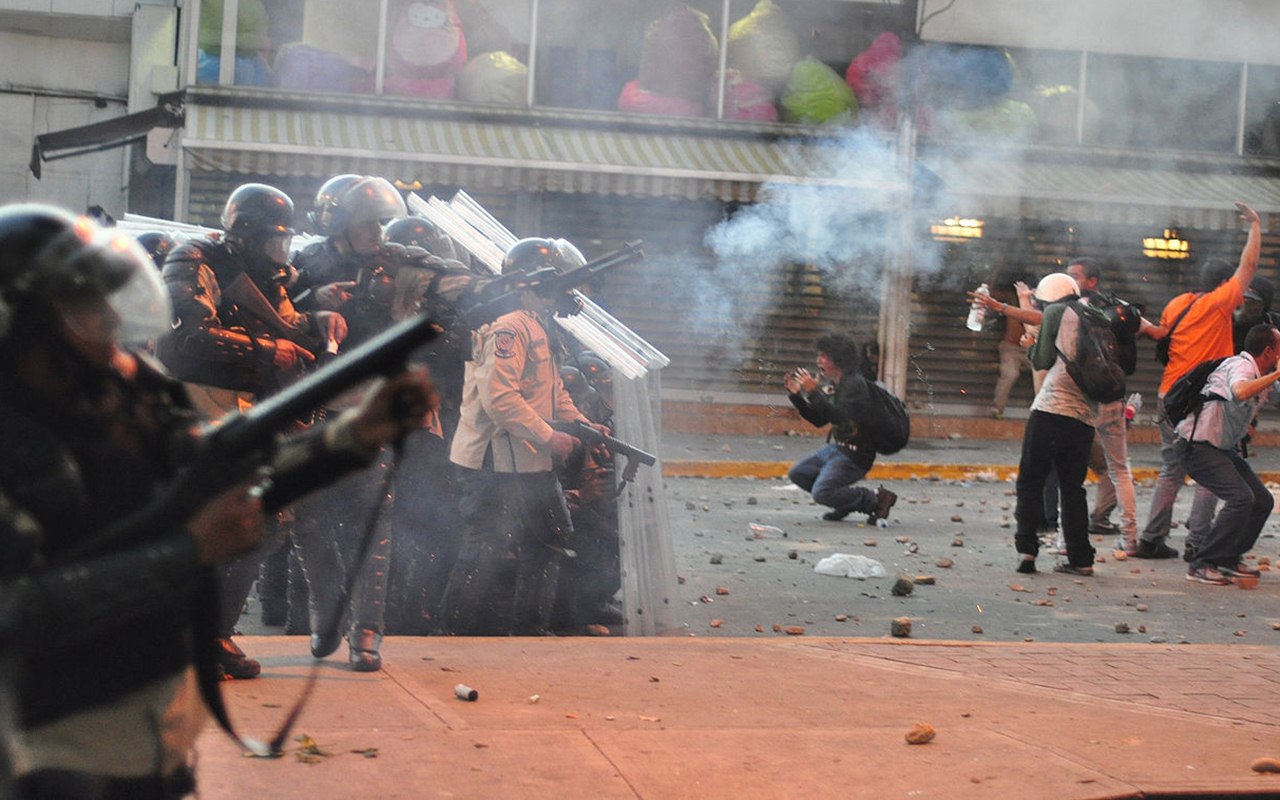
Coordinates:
419 232
158 245
346 200
1056 286
257 211
534 254
49 254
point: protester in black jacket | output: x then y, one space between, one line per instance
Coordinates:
839 400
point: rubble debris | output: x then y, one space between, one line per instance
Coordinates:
1265 764
921 733
902 587
900 627
944 563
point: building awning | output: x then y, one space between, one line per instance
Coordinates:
1195 194
514 151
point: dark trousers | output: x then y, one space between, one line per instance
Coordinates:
829 475
514 522
1246 502
1052 441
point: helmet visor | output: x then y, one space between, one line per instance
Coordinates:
141 301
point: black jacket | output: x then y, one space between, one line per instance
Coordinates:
841 406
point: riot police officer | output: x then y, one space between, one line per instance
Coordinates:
108 622
236 338
503 450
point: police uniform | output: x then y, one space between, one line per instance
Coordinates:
509 494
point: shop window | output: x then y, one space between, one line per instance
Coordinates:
1162 103
1262 111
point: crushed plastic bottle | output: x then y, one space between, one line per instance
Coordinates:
762 531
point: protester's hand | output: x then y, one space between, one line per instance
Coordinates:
792 382
392 407
230 524
331 326
807 380
562 444
1248 214
985 300
332 296
288 355
1024 292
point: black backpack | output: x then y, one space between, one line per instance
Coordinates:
1184 396
1096 367
888 420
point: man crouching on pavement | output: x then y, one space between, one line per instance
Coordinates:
831 473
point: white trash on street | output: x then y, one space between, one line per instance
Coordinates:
844 565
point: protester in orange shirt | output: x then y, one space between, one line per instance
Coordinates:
1199 327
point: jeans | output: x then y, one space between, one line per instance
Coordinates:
1054 441
1246 502
829 476
1115 480
1172 476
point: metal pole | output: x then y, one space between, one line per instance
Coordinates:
530 83
380 68
227 55
724 56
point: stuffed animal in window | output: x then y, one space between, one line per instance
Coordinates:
426 49
763 47
676 65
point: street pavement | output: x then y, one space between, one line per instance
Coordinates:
780 682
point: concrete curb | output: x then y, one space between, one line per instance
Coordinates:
883 472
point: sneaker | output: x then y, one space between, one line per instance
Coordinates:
1125 547
1208 575
1240 571
1059 547
1104 528
1067 569
1155 550
884 502
1189 552
1027 566
837 514
233 663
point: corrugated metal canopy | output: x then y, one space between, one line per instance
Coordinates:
1194 197
293 138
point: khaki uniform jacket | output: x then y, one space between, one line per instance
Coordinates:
512 387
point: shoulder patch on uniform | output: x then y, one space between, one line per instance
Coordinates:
504 343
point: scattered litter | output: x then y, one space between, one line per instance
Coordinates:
795 630
1143 607
596 629
957 542
900 627
534 698
957 518
944 563
465 692
722 590
902 587
924 580
844 565
976 629
1017 587
760 531
842 617
716 623
868 542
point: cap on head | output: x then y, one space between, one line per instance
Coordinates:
1056 286
347 200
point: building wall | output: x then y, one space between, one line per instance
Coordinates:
51 84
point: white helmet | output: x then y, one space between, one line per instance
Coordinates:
1055 287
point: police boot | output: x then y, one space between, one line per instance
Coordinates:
233 663
364 650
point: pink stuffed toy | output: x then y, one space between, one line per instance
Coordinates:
873 75
746 99
426 50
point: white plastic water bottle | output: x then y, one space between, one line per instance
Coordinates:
977 311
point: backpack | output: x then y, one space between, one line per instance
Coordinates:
1184 396
888 420
1096 367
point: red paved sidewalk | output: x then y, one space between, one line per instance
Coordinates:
792 717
